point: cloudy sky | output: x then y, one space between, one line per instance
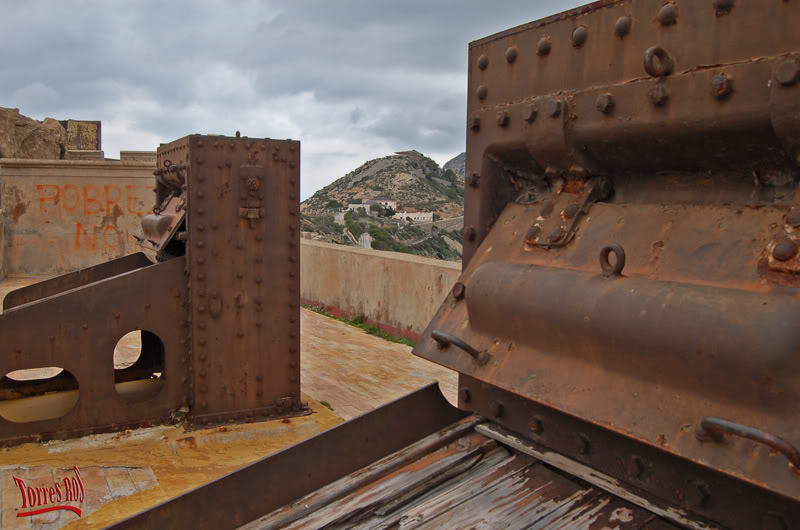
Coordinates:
351 79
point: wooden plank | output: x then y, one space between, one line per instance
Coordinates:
592 476
599 511
338 489
362 503
499 456
464 491
518 501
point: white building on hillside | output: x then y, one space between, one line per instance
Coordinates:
417 217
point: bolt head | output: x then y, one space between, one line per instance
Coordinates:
511 54
499 409
788 72
483 61
721 86
658 95
571 211
698 495
785 250
466 395
723 6
553 108
502 118
636 467
474 122
458 291
529 112
556 234
605 103
793 217
533 233
579 36
482 92
668 14
584 445
623 26
474 179
544 46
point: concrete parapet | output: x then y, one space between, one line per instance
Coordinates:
2 246
401 292
63 215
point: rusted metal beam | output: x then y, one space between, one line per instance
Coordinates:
277 480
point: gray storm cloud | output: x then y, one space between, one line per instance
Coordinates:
351 79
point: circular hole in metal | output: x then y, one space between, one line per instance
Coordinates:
139 365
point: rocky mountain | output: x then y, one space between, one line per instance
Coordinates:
23 137
415 183
457 165
413 180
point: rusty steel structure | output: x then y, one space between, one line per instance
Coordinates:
217 305
627 311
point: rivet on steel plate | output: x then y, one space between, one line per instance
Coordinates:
635 467
537 427
793 217
204 404
553 108
571 210
556 235
605 103
502 118
529 112
668 14
86 326
547 208
458 291
657 62
483 61
200 194
499 409
788 72
785 250
482 92
240 333
202 373
473 180
444 340
579 36
584 445
466 395
544 46
623 26
474 122
721 86
470 234
619 263
658 95
533 233
698 495
723 7
511 54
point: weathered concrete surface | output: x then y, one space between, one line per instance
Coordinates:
400 291
2 246
63 215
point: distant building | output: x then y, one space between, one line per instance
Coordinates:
339 218
365 240
386 202
417 217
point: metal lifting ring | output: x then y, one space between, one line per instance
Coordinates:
616 268
664 65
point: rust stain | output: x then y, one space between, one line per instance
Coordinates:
18 211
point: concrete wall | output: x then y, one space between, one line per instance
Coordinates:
400 291
63 215
2 246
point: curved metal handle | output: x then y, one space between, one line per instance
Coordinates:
444 340
714 429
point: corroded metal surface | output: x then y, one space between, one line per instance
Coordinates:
670 298
219 313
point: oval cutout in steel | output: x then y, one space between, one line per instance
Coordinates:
139 365
37 394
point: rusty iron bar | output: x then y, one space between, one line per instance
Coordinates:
444 340
302 468
715 429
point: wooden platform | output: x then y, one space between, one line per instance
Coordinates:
470 481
